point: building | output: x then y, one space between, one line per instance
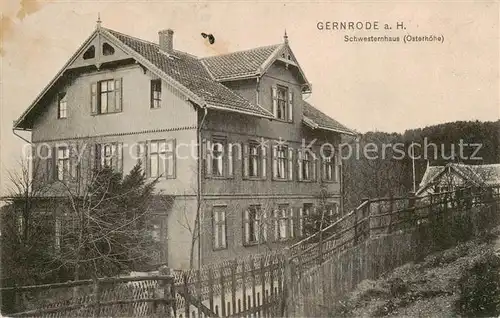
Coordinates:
224 133
438 179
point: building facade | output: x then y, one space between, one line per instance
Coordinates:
239 152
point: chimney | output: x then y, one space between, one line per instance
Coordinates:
166 39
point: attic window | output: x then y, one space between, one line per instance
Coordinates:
107 49
289 57
90 53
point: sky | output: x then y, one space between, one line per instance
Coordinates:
383 86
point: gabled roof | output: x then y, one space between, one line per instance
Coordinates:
252 63
240 64
478 175
182 70
189 71
316 119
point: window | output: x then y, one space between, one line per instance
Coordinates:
62 163
155 93
282 103
281 222
109 155
254 160
217 156
306 165
332 209
62 106
218 163
304 212
330 169
107 49
161 159
219 227
254 225
90 53
106 96
282 162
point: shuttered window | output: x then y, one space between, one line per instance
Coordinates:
219 227
109 155
282 98
106 96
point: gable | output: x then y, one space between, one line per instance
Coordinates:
96 51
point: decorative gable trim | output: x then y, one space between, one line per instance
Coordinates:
108 36
277 56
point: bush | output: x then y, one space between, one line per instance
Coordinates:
480 289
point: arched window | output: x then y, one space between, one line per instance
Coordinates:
107 49
90 53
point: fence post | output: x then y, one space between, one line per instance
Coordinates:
367 214
411 208
97 297
168 293
355 242
287 309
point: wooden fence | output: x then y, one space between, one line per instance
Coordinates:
302 280
378 236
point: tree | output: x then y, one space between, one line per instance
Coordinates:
106 227
322 217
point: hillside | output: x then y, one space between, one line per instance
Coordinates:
460 281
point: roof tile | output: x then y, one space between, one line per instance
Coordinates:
190 72
323 120
242 63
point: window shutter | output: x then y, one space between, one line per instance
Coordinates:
93 98
208 158
230 160
276 225
336 166
275 101
54 164
223 229
314 167
246 230
263 221
299 164
118 95
92 157
245 160
173 161
73 160
290 105
323 168
292 229
290 164
301 222
275 161
264 161
146 157
215 228
119 155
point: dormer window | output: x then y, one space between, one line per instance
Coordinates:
282 103
62 106
90 53
107 49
